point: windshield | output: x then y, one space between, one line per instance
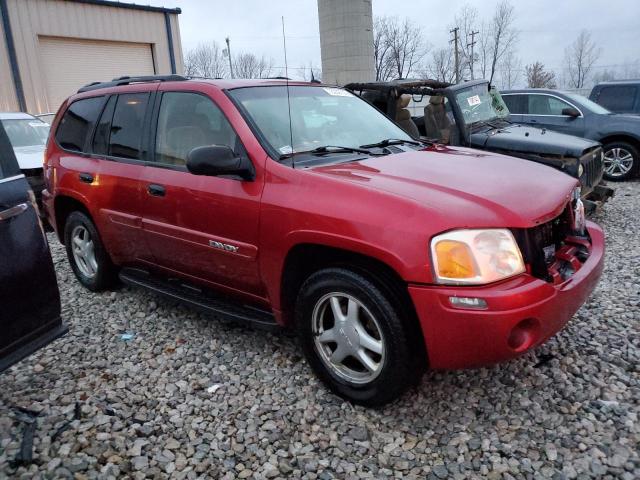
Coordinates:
588 104
26 132
478 104
320 116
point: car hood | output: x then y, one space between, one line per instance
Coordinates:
532 140
464 187
30 157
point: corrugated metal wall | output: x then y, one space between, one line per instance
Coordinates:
8 99
31 19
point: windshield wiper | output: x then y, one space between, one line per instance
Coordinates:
390 141
327 149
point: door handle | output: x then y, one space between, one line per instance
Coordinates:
86 177
156 190
13 211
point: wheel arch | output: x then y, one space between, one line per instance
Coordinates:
63 205
620 137
304 259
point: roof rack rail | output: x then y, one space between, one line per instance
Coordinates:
126 80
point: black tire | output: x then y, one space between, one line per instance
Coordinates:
105 275
398 369
635 166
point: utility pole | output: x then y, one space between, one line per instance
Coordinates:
229 55
472 44
457 59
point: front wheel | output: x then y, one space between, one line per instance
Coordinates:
354 337
621 161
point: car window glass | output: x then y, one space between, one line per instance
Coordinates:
619 98
26 132
78 122
517 104
189 120
125 139
546 105
8 163
101 137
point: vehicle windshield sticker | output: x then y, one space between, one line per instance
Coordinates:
286 149
337 92
473 101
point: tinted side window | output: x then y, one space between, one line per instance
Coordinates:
546 105
125 139
78 122
8 164
101 137
618 99
186 121
517 104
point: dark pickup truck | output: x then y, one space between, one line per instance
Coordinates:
473 114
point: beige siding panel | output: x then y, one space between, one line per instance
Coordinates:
34 19
70 63
8 99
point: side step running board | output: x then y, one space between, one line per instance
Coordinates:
205 301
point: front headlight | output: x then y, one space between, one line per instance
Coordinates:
475 257
580 170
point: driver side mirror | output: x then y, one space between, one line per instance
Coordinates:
571 112
216 160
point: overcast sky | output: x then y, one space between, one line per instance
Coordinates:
546 26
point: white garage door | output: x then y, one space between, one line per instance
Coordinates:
70 63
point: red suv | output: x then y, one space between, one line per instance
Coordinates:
299 204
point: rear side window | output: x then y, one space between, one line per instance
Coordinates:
103 130
77 123
517 104
619 98
126 139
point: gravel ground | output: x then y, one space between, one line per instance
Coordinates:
192 397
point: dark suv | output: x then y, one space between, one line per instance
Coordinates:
301 205
574 114
620 96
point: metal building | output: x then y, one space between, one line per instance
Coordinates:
346 41
50 48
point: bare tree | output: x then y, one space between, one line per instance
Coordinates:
248 65
311 73
441 66
496 38
510 70
579 58
205 60
503 35
605 75
538 77
399 47
467 21
382 59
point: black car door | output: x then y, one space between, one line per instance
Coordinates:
29 296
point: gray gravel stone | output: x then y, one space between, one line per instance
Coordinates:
197 397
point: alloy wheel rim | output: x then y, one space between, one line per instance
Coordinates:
617 162
84 252
348 338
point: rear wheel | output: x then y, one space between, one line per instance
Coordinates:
88 258
354 337
621 161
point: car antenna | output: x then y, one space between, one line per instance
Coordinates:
286 74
